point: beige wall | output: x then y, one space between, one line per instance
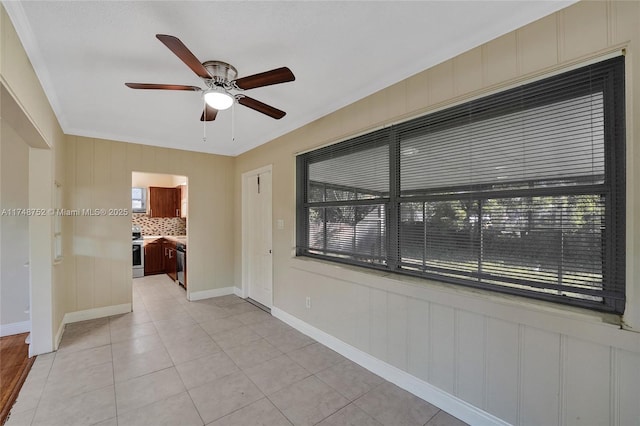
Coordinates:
26 108
98 252
523 361
146 180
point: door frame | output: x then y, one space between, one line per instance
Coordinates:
245 231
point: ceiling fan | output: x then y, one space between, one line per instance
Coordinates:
220 79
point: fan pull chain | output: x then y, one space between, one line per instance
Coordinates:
233 122
204 122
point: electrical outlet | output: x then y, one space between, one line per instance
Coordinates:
308 302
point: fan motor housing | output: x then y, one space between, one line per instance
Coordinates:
221 72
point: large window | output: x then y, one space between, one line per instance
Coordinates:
520 192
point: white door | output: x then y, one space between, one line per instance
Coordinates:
258 237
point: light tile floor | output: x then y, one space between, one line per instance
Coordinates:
218 361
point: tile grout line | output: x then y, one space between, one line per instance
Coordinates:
173 365
35 410
113 371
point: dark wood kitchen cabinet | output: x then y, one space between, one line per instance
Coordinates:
164 202
153 257
170 259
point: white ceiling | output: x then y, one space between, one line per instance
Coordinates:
340 52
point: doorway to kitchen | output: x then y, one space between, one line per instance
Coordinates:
159 205
257 262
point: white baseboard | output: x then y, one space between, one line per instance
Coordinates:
443 400
58 338
15 328
207 294
95 313
238 292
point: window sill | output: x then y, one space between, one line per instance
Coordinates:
578 322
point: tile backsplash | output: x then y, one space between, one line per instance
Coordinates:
160 225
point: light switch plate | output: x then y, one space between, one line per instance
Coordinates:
280 223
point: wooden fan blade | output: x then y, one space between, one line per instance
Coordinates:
180 50
162 86
267 78
261 107
209 114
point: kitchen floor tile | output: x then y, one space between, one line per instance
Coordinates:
445 419
66 384
270 326
43 362
348 378
128 367
174 410
316 357
308 402
350 415
113 421
289 340
224 395
137 346
219 325
84 409
253 353
168 314
145 390
192 348
183 334
241 308
22 418
389 404
275 374
29 395
166 326
252 317
260 413
227 300
84 338
131 331
202 312
138 316
236 337
70 361
82 326
199 371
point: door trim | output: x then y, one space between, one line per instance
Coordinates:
245 232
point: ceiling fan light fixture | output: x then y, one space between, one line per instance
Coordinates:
218 99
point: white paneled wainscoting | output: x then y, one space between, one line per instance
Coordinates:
485 359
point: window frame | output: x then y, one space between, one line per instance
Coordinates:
611 75
143 200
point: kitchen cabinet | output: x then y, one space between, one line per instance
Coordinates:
164 202
170 259
153 258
